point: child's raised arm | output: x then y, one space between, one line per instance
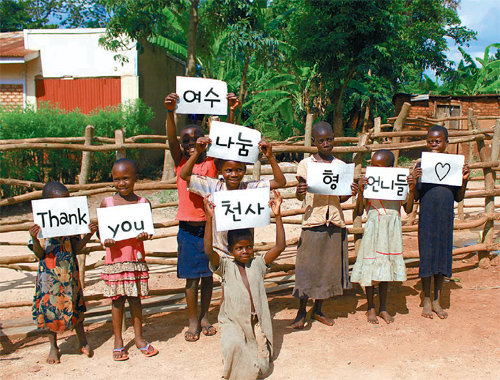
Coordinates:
360 200
173 143
280 246
465 179
201 146
208 238
80 244
412 188
233 103
37 249
279 179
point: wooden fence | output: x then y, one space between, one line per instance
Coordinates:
375 139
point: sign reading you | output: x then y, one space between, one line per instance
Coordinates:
234 142
125 222
201 96
333 178
442 168
386 183
61 216
236 209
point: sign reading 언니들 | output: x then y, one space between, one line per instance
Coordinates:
61 216
333 178
234 142
442 168
386 183
201 96
125 222
236 209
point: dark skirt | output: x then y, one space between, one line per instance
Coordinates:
191 261
321 266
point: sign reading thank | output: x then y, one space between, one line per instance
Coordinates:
61 216
125 222
386 183
201 96
334 178
236 209
234 142
442 168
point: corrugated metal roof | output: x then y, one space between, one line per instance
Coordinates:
12 46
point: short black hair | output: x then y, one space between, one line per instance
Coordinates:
196 127
386 155
439 128
52 189
219 162
126 161
234 236
321 126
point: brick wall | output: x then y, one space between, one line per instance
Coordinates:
11 95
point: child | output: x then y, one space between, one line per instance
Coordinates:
380 256
244 317
58 304
435 225
125 272
321 268
192 263
232 173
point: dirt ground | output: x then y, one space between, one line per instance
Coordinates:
466 345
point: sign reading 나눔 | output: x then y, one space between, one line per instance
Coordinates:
442 168
201 96
386 183
333 178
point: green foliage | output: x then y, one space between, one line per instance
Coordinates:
64 165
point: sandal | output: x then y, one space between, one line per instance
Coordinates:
192 337
209 331
123 356
146 352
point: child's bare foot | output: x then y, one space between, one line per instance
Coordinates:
320 317
207 328
371 316
53 357
436 307
299 322
386 317
427 308
87 351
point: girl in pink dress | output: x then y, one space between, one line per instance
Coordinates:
125 272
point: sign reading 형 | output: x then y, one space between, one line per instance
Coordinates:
234 142
125 222
442 168
201 96
334 178
61 216
236 209
386 183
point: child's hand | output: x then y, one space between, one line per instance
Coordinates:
171 101
233 102
412 181
266 148
93 228
302 186
417 172
202 143
34 231
465 172
209 206
143 236
109 243
275 203
362 182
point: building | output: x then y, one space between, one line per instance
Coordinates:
69 68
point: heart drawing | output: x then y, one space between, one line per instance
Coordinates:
442 170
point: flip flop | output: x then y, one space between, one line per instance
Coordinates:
123 356
192 337
209 331
145 350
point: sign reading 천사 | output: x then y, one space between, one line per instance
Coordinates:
236 209
442 168
125 222
201 96
234 142
61 216
386 183
333 178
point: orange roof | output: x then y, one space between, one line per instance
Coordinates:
12 46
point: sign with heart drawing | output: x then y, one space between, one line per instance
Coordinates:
441 168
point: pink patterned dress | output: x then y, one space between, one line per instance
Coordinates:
124 274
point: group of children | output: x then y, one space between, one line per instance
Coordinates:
322 269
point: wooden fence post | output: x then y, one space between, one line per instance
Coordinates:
398 126
257 170
119 140
308 132
358 161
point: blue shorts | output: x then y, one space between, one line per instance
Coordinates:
191 261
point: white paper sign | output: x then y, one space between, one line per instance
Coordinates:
201 96
236 209
234 142
61 216
333 178
442 168
125 222
386 183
